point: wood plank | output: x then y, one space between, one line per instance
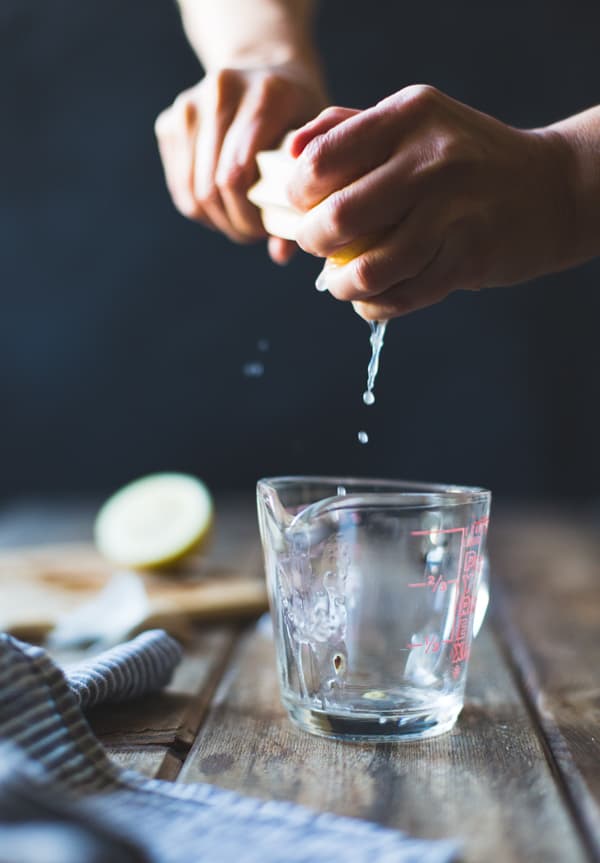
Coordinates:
547 609
486 782
170 718
156 762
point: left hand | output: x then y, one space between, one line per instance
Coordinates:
208 140
449 198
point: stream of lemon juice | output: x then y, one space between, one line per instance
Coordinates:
342 257
376 338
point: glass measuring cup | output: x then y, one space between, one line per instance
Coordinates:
376 589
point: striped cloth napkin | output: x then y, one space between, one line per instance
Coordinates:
63 801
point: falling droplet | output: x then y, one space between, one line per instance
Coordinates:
263 345
363 437
341 490
253 370
369 397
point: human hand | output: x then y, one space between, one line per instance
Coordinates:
447 197
208 139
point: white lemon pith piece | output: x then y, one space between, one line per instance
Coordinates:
280 218
154 521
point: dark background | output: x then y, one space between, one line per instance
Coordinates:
124 328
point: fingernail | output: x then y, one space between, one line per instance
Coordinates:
321 282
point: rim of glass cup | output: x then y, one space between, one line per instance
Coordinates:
402 493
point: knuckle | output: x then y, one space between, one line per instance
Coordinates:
234 178
331 112
209 197
419 97
338 215
315 159
187 207
297 197
365 276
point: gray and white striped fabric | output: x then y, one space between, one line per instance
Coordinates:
128 670
63 801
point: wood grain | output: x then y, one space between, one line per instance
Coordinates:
155 762
486 782
547 613
170 718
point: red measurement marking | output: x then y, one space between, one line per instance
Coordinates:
440 583
436 584
432 644
461 556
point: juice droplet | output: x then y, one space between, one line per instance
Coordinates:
363 437
253 370
369 397
263 345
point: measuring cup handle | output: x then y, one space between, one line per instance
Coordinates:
483 596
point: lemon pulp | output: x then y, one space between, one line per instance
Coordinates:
154 521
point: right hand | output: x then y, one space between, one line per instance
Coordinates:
208 140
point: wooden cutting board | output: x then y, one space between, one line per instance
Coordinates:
40 585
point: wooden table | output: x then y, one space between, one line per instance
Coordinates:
518 779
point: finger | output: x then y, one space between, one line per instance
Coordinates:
431 286
281 251
258 125
401 254
347 151
175 130
371 205
218 109
325 121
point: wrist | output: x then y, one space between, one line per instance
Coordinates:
250 55
562 191
576 139
276 34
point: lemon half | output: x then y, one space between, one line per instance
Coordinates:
154 521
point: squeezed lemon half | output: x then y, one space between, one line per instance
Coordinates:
155 521
347 253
